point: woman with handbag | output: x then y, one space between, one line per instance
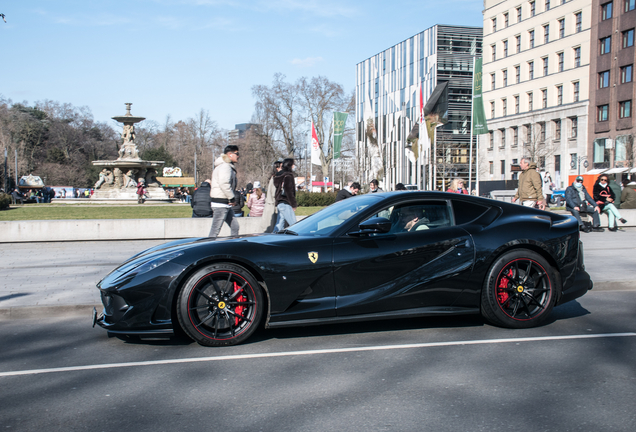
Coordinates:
604 197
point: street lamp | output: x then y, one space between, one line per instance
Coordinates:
576 163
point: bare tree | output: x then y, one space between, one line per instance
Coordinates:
537 144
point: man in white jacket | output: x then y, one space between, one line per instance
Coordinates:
223 190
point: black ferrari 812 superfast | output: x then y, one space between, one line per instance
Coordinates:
369 257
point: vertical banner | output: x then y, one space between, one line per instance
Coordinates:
315 146
479 116
339 121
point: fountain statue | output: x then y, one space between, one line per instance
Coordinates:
118 179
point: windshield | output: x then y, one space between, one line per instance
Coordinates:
327 220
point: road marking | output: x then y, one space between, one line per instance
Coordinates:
309 352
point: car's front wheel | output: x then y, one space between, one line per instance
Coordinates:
519 291
220 304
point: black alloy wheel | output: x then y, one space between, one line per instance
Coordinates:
519 291
220 304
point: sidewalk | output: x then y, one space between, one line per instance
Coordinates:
59 278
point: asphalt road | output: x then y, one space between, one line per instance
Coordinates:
576 373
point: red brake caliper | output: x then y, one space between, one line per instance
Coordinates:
502 295
239 309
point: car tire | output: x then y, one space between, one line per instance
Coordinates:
220 304
519 290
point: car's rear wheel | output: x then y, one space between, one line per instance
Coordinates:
519 291
220 304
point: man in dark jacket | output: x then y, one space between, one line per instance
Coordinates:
577 200
344 194
285 195
201 201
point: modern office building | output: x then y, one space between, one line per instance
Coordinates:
240 131
388 106
536 86
611 127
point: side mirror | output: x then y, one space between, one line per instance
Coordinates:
373 225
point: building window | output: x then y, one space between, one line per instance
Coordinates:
559 89
532 8
494 24
519 13
505 44
503 169
626 73
504 106
603 79
492 167
492 109
518 42
625 109
544 98
505 77
531 70
530 101
628 38
578 19
560 61
492 139
602 113
575 91
562 28
557 129
545 66
557 163
542 131
492 81
574 127
515 136
531 35
494 52
606 45
517 74
506 22
528 133
630 5
606 11
503 138
546 33
516 104
577 56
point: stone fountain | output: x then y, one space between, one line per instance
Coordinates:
118 179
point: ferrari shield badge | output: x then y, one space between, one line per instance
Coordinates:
313 257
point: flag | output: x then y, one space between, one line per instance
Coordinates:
479 116
315 146
339 121
422 141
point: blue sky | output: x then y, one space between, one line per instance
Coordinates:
175 57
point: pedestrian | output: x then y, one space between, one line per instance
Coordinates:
400 187
140 192
548 187
270 212
530 190
239 202
201 202
578 200
223 190
628 196
457 186
256 201
604 197
344 194
373 186
285 195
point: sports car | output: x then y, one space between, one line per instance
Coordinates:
369 257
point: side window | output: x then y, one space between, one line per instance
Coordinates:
416 216
466 211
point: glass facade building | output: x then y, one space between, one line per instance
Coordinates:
388 106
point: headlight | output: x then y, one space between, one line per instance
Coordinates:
132 268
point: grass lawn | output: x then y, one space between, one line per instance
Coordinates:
97 211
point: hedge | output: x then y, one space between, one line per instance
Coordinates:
314 199
5 200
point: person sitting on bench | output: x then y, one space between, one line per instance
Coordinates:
578 200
